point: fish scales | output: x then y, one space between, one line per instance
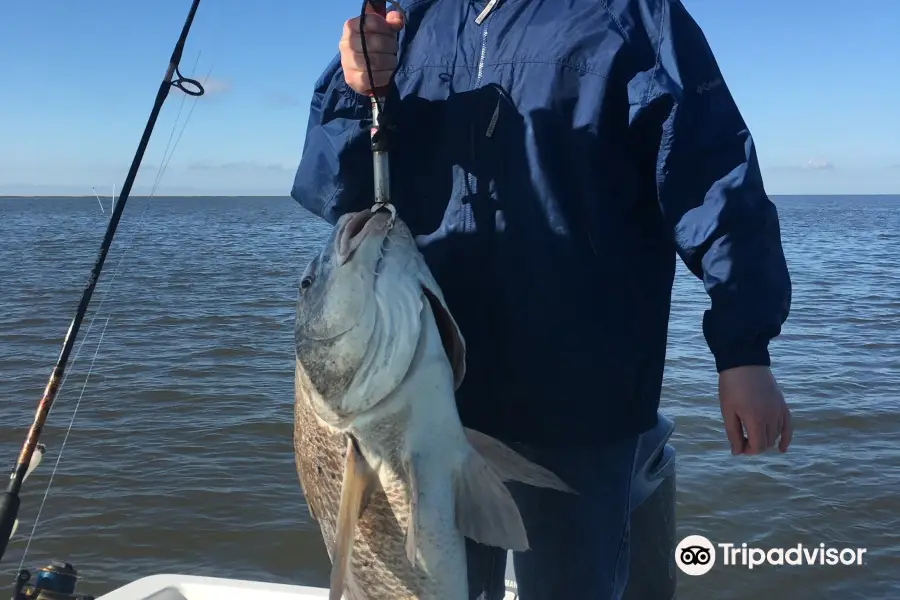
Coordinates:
392 477
379 569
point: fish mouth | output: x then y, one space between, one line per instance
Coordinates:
361 226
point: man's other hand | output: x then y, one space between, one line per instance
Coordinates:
752 402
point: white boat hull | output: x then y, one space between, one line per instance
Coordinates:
190 587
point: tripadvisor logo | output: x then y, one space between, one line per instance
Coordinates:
696 555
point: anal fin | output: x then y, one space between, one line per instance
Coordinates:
485 510
512 466
356 490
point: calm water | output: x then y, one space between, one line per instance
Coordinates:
180 458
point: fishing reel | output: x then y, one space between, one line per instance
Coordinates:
56 581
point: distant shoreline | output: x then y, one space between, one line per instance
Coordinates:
91 196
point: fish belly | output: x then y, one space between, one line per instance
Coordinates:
379 569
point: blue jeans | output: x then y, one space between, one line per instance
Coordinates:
579 543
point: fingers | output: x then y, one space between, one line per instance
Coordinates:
376 43
756 437
395 20
375 25
381 46
734 431
750 398
370 8
355 61
358 77
774 433
787 431
762 436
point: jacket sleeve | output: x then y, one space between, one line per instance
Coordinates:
710 189
335 172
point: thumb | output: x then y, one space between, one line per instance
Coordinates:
395 20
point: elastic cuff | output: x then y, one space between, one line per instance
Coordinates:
351 95
757 355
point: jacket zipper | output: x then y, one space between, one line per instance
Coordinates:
479 20
487 10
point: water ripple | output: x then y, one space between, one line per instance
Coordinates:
180 459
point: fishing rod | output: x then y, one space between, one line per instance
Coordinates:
9 505
381 128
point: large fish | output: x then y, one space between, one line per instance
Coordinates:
388 471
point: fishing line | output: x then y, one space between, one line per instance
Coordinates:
11 502
163 166
37 518
381 130
377 5
165 162
167 157
365 48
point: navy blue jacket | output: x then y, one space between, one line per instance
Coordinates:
552 160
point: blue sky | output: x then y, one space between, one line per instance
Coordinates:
818 83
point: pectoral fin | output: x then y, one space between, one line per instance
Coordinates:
412 527
356 490
512 466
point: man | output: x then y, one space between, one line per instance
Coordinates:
552 158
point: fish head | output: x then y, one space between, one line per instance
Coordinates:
359 314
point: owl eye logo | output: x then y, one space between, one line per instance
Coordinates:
695 555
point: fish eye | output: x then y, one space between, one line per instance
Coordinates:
305 283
